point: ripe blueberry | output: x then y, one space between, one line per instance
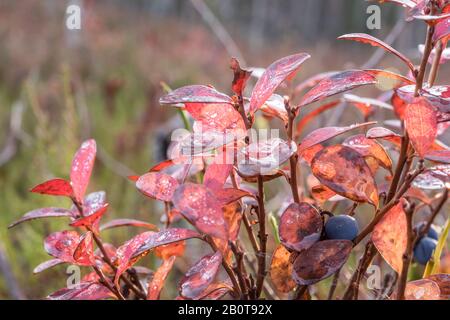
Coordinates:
432 233
424 249
341 227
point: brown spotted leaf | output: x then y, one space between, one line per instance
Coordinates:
281 270
345 171
390 236
300 226
443 281
423 289
320 261
200 276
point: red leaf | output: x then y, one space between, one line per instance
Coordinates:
90 220
434 178
442 30
47 264
200 276
440 156
264 157
384 134
421 125
199 206
124 254
240 77
42 213
156 239
55 187
337 83
300 226
82 291
369 148
82 165
365 38
216 117
320 261
216 175
422 289
229 195
344 171
365 105
84 252
92 203
233 216
62 245
281 270
322 193
157 185
274 75
388 80
326 133
159 278
390 236
168 250
443 281
195 94
127 222
275 107
161 166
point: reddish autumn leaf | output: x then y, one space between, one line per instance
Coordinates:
423 289
82 291
344 171
47 265
127 222
442 30
161 166
156 239
312 81
300 226
92 203
82 165
421 125
157 185
200 206
232 214
281 270
124 256
309 153
216 175
366 38
200 276
365 105
168 250
90 220
84 252
275 107
434 178
264 157
159 278
42 213
369 148
443 281
63 244
240 77
219 117
388 79
323 134
337 83
384 134
440 156
274 75
230 195
307 118
195 94
55 187
322 193
217 290
390 236
320 261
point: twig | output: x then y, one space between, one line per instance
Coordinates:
293 160
407 256
435 66
262 238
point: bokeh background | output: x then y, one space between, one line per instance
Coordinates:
59 87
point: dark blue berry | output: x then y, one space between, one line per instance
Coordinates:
424 249
432 233
341 227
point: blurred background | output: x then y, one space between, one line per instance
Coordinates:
59 87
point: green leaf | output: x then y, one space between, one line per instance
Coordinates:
433 265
